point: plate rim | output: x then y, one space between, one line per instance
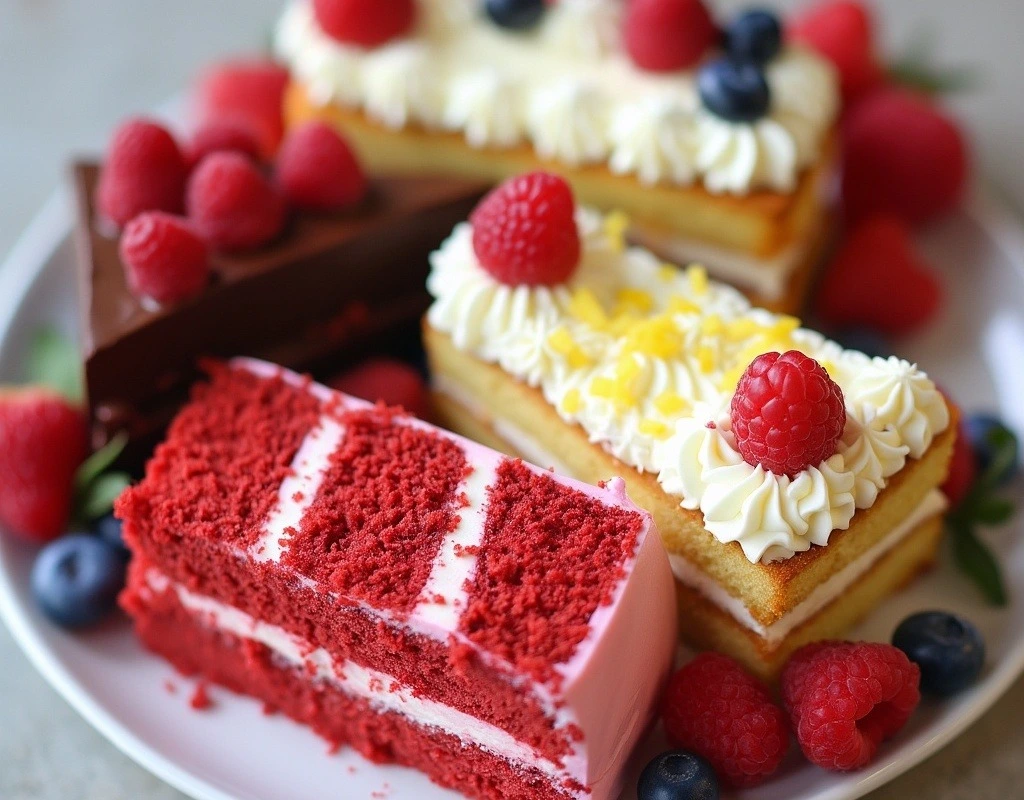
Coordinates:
48 230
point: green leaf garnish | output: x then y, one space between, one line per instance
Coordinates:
978 562
54 361
993 510
99 461
916 68
99 497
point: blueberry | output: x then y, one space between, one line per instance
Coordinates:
866 340
948 649
75 579
987 435
518 15
754 35
734 90
677 775
108 528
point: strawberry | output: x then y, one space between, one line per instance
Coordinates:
902 156
668 35
43 440
843 32
878 280
388 380
962 468
246 93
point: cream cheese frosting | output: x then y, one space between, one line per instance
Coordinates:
645 359
569 89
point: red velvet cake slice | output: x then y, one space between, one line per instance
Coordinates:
401 589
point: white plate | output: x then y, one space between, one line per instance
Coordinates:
232 751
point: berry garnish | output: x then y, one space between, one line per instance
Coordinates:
754 35
845 698
843 32
877 280
524 232
993 444
109 529
517 15
787 413
216 136
144 171
164 258
716 709
948 649
247 93
367 23
962 468
76 580
677 775
317 170
668 35
901 156
388 380
231 204
734 90
43 439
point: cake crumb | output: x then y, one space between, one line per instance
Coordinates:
384 791
170 687
351 769
200 699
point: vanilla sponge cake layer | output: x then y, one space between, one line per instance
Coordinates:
483 402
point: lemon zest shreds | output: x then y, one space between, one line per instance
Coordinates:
572 402
670 403
585 306
616 223
706 358
698 277
561 341
655 336
654 428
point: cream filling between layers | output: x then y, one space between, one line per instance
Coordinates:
692 576
384 692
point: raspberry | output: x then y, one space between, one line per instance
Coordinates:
717 710
524 232
216 136
231 205
367 23
144 171
963 468
668 35
845 698
43 440
843 32
163 257
317 170
877 280
248 93
787 413
901 156
388 380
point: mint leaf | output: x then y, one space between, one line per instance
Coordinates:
53 361
977 562
99 461
916 68
993 510
98 498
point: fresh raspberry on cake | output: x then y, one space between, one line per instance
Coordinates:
787 413
524 232
43 440
231 204
716 709
963 468
901 156
845 699
248 93
144 171
317 170
367 23
878 280
163 257
843 32
668 35
388 380
216 136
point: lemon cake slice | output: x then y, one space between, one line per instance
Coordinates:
715 155
792 491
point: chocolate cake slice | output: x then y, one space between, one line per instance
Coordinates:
330 289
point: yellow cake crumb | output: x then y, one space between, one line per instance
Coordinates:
698 276
572 402
654 428
670 404
561 341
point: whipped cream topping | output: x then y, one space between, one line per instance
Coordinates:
569 89
646 358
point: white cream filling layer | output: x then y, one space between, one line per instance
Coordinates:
689 575
382 691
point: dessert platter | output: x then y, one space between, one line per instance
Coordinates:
427 414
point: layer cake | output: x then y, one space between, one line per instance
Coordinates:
460 95
629 367
401 589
